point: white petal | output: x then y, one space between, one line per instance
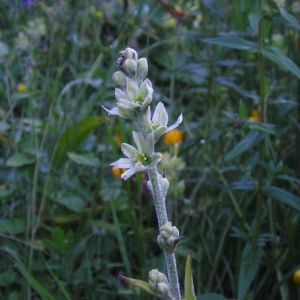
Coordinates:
160 115
120 94
149 145
132 89
158 132
128 150
128 173
113 111
146 102
176 124
123 163
140 167
155 159
139 141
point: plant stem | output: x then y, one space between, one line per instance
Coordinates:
261 67
161 212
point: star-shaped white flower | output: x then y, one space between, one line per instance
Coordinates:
133 97
159 121
138 160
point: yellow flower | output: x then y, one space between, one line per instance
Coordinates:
173 137
118 139
117 172
296 276
21 88
255 116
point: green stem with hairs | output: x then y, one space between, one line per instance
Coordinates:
161 212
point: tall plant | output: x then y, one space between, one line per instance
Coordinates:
134 94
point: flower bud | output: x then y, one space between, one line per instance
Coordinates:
168 238
120 62
120 79
159 281
142 68
122 54
130 54
163 288
130 67
164 187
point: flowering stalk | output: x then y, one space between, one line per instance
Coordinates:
134 94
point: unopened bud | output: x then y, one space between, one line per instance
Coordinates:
142 68
168 238
130 54
130 66
155 278
163 288
120 79
164 186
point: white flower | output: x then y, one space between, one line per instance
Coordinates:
132 98
159 121
141 159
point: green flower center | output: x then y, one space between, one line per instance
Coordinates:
139 99
155 125
142 158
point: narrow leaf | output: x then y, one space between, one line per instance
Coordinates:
189 293
12 226
275 55
242 110
144 286
36 285
20 159
282 196
245 144
233 42
74 203
254 19
249 266
73 137
88 159
262 127
292 21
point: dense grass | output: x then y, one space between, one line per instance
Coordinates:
68 227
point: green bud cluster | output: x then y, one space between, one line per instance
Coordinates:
159 282
168 238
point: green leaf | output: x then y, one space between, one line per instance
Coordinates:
233 42
3 49
88 159
254 20
189 293
20 159
12 226
211 297
245 144
7 278
36 285
4 126
144 286
7 190
93 82
73 137
249 266
60 241
289 18
282 196
74 203
275 55
262 127
242 110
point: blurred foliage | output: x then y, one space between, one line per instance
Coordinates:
69 227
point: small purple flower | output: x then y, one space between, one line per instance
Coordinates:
27 3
